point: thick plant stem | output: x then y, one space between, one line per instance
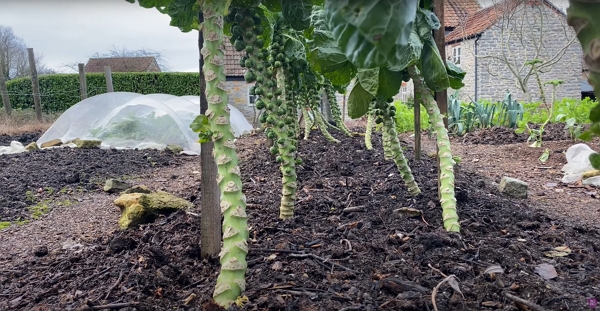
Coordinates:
230 282
335 110
308 123
369 131
446 190
287 153
323 127
392 145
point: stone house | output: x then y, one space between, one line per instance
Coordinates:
494 43
237 88
123 64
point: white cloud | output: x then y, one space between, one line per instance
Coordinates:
70 31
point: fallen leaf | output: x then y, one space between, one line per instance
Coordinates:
494 269
560 251
277 266
454 284
408 212
546 271
491 304
272 257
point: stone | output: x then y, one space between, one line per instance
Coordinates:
115 185
88 144
140 208
175 149
32 147
52 143
138 189
513 187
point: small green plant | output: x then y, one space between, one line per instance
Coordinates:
40 209
30 196
460 119
50 190
570 125
4 224
511 111
484 113
65 203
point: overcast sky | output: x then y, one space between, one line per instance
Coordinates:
70 31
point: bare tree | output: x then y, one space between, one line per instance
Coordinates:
13 56
123 52
531 40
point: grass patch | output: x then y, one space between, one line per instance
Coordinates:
4 224
40 209
24 121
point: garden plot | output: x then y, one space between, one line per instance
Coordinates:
325 258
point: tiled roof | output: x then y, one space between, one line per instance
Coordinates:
456 11
121 64
232 61
482 20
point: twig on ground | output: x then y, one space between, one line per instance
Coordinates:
437 270
352 308
528 303
110 306
95 275
435 290
347 242
273 250
114 285
313 256
358 208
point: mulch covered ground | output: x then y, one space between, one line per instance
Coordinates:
325 258
503 135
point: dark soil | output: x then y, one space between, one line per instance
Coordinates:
366 260
31 173
504 135
24 138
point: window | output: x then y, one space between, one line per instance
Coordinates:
251 98
456 55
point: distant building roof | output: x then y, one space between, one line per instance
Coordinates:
478 22
457 11
123 64
232 61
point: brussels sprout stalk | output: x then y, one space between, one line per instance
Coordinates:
335 109
369 131
323 127
391 147
446 190
309 122
230 282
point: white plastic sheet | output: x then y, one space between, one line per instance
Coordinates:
131 120
578 162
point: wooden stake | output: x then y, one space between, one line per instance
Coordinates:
417 114
35 83
4 91
108 77
82 82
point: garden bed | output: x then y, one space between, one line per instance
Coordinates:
324 258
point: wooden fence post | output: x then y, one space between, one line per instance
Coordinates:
35 83
4 91
417 113
82 82
108 76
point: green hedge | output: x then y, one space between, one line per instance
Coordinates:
61 91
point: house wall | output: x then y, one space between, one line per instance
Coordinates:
238 97
494 77
467 64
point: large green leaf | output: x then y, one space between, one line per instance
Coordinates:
272 5
433 69
183 13
331 63
297 13
358 101
410 54
455 75
370 32
380 82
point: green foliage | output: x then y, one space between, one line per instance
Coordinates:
380 82
460 117
358 101
183 13
570 125
434 72
61 91
595 160
201 125
371 33
455 75
297 13
484 113
511 111
405 117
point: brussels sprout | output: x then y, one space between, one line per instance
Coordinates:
292 148
239 17
260 67
278 92
271 135
269 72
243 61
280 111
249 76
263 118
271 84
260 104
277 64
392 107
298 161
260 79
258 90
278 159
260 56
276 39
249 35
258 30
278 102
273 53
250 22
281 141
237 30
230 18
379 120
249 49
280 124
287 60
270 120
274 150
288 121
280 56
275 45
251 90
392 113
249 63
259 43
269 95
270 106
239 45
390 100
